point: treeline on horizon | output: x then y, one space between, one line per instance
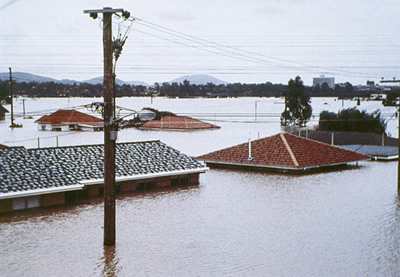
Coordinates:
181 90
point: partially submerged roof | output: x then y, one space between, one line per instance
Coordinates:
377 152
178 123
25 172
70 117
282 152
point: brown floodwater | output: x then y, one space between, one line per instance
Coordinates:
235 223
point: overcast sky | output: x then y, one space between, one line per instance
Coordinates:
252 41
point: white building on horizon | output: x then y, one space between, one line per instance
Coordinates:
330 81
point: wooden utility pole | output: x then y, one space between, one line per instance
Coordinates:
398 137
11 95
109 131
23 103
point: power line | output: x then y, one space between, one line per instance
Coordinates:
222 48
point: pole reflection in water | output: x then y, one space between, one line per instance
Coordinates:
110 259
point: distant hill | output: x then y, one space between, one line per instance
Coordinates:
201 79
28 77
99 80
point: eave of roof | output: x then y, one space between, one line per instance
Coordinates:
35 192
147 176
279 167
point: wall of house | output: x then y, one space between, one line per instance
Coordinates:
52 127
163 182
94 190
128 186
55 199
6 205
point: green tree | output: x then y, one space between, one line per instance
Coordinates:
352 120
392 98
297 104
4 95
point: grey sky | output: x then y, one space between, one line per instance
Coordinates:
254 41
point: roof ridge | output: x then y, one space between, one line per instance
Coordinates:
289 150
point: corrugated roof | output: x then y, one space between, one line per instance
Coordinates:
177 123
70 116
283 151
47 168
379 152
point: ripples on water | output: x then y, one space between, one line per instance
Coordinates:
235 223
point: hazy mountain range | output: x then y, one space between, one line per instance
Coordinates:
28 77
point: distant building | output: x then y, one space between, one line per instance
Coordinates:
68 120
32 178
330 81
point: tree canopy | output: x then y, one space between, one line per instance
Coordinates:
297 104
352 120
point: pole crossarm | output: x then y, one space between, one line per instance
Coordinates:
110 128
105 10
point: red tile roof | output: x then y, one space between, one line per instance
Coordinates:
283 151
70 116
177 123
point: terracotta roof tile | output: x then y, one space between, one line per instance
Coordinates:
178 123
285 151
69 116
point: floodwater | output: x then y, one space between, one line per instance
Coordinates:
235 223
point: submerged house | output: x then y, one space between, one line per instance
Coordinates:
31 178
284 153
66 120
183 123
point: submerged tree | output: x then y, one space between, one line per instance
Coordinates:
297 104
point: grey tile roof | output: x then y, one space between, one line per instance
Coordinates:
29 169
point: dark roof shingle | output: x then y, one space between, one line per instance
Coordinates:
29 169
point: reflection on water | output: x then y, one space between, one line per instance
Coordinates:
110 262
235 223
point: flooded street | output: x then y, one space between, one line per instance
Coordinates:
235 223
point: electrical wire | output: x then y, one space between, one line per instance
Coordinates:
222 47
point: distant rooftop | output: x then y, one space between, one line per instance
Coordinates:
70 116
282 152
178 123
